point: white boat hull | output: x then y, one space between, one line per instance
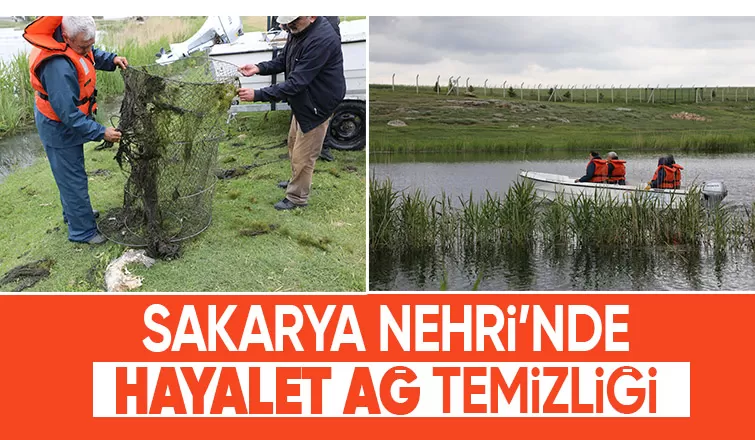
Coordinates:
550 186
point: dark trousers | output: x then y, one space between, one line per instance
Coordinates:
67 166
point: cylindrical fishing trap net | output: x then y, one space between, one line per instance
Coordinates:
172 119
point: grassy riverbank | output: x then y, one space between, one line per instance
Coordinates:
439 123
249 246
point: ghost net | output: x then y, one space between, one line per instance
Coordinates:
172 120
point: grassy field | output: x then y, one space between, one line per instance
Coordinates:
321 248
485 123
10 24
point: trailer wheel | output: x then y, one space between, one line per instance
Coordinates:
348 128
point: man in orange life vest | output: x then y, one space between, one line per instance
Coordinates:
668 175
597 169
617 170
62 66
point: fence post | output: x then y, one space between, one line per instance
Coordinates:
611 93
416 81
521 92
485 86
736 89
393 82
504 89
457 84
584 93
597 93
538 92
437 81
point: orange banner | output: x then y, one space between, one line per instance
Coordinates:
429 366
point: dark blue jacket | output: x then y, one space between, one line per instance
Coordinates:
58 76
313 63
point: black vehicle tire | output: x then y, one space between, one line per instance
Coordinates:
348 128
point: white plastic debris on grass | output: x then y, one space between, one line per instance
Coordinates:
117 276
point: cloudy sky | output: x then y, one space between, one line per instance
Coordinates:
564 50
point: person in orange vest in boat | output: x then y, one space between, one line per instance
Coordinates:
62 65
617 170
677 170
597 169
668 175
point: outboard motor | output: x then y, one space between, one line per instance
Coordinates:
713 193
216 30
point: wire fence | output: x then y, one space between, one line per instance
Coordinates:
584 93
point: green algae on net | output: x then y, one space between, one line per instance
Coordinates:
172 119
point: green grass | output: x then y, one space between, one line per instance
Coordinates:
249 246
9 24
16 96
439 123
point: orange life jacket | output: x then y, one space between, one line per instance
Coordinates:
677 175
40 34
619 171
672 178
601 170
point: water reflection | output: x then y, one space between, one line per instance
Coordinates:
557 268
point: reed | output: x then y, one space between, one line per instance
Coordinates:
16 95
489 228
382 218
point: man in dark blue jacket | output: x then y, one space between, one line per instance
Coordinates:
64 140
315 85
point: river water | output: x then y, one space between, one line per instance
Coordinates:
648 269
457 175
12 43
21 150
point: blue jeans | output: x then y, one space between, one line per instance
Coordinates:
67 166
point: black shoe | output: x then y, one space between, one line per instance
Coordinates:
326 155
286 204
94 211
283 184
